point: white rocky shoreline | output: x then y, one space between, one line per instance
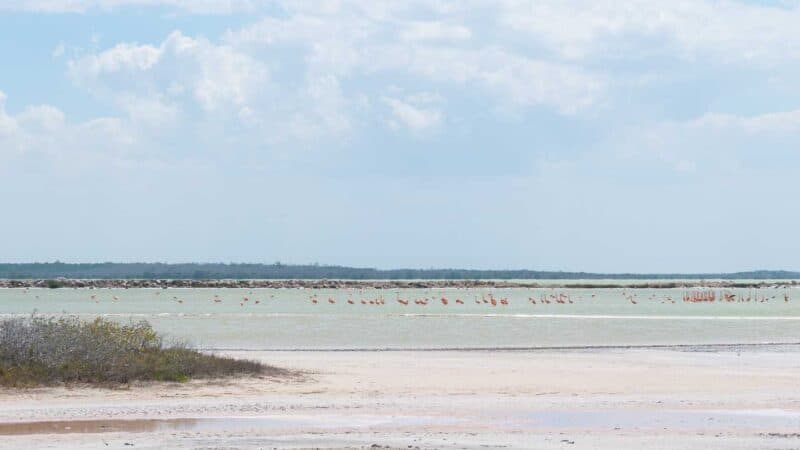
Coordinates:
383 284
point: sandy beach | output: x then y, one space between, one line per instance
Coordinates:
660 398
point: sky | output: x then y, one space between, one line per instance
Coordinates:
596 135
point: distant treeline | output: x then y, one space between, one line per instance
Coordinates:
208 271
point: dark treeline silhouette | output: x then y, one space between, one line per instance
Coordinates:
206 271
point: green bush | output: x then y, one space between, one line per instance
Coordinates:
55 284
39 351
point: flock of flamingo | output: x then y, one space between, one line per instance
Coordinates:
422 301
730 297
692 296
537 298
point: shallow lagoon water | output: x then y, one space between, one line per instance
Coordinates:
286 319
521 421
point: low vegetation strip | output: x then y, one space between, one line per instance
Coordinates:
36 351
279 271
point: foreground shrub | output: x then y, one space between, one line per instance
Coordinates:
55 284
37 351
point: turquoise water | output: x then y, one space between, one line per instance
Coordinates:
288 319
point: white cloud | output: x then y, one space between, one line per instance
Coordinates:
195 83
686 166
152 111
510 77
320 70
117 59
435 31
777 122
713 142
430 51
137 76
316 111
8 124
284 79
413 117
44 118
41 135
726 30
82 6
113 129
59 50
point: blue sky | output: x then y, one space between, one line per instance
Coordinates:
561 135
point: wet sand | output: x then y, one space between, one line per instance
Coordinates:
611 398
